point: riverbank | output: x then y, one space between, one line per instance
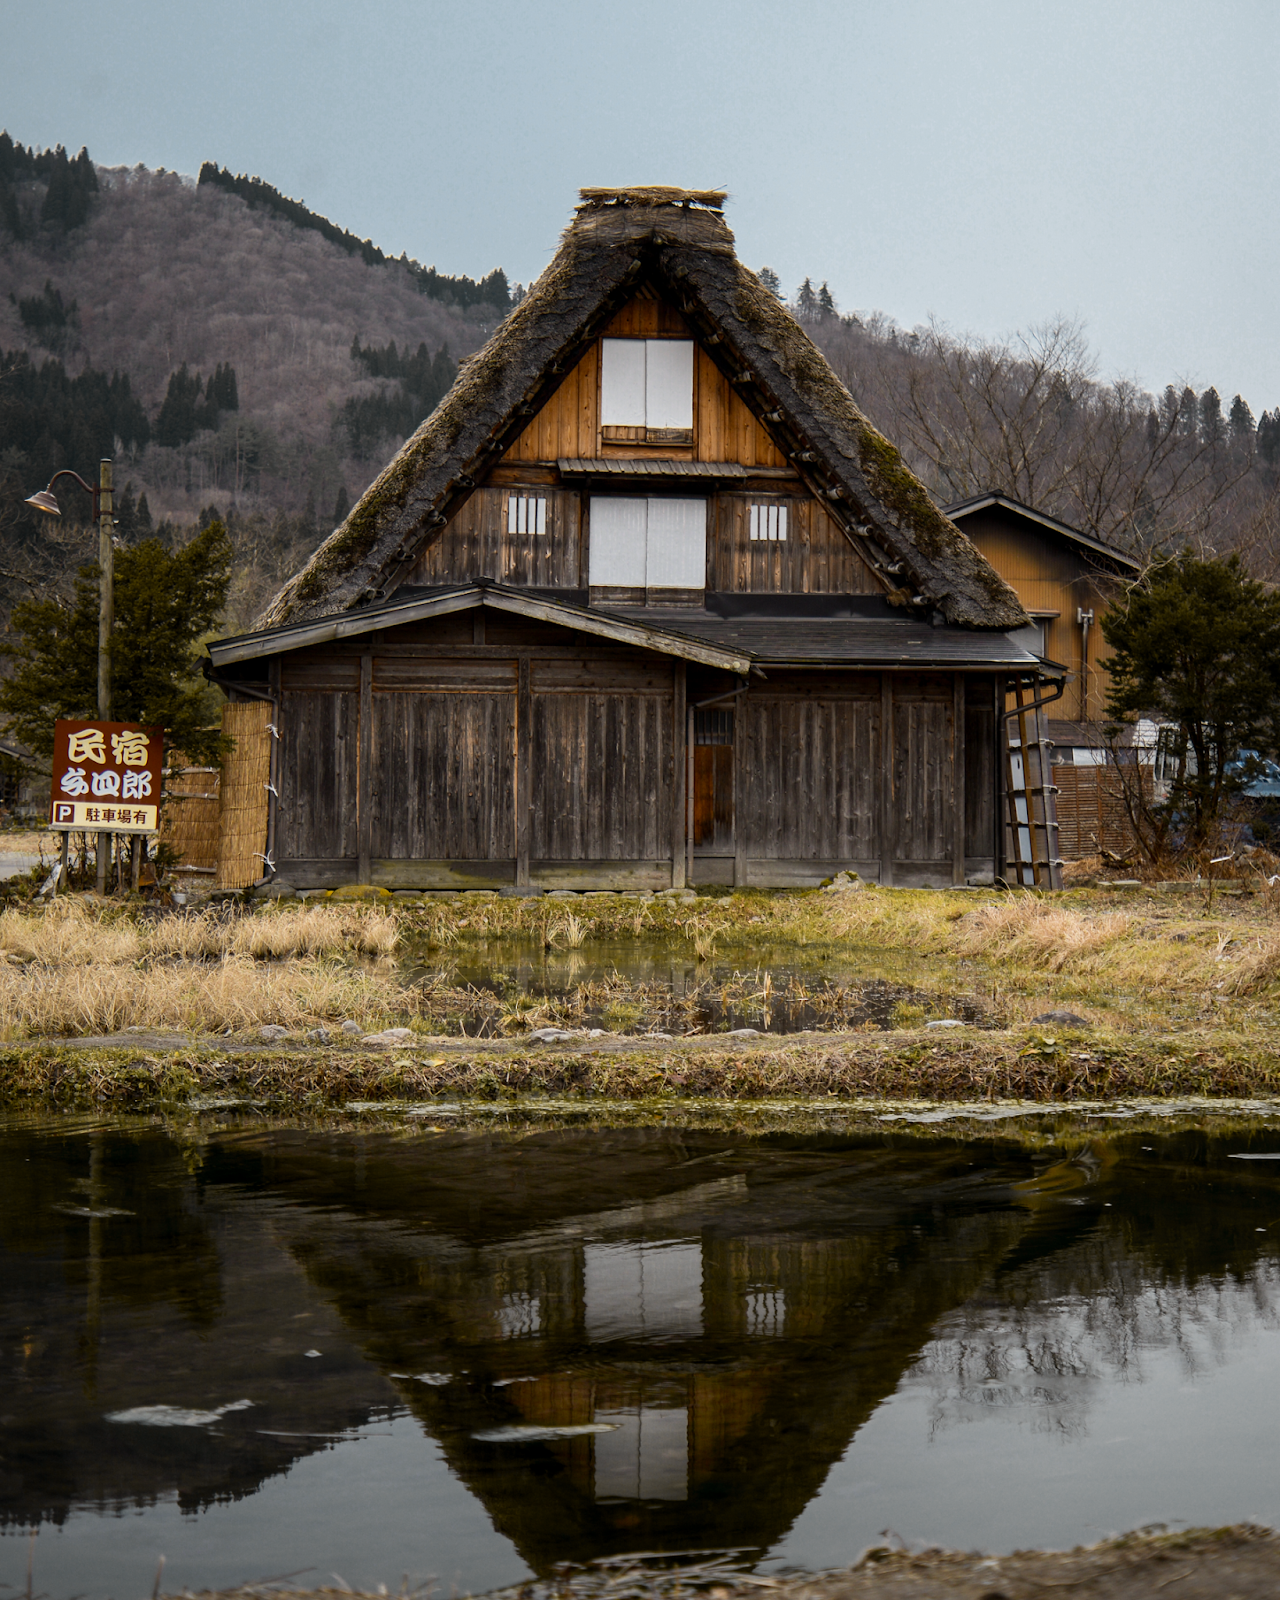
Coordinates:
1235 1563
860 994
1037 1066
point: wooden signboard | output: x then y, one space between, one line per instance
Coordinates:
106 777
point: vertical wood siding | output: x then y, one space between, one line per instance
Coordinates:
725 429
476 544
810 784
980 769
814 558
444 785
316 812
922 771
601 759
569 423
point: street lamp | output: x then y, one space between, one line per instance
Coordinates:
103 506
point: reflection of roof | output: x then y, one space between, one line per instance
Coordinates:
993 500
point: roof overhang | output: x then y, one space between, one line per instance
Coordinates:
993 500
352 624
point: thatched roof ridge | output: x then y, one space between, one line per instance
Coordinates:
679 240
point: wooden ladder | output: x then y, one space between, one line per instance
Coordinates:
1031 853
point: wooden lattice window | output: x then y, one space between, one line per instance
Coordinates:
768 521
526 513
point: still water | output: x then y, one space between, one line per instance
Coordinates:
257 1351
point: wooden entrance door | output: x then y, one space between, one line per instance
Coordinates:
713 783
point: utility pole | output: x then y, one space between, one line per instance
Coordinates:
106 621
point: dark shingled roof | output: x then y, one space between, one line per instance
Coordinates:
677 241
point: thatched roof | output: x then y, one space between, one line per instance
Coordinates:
678 241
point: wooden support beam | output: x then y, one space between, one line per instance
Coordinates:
524 732
888 802
679 776
740 792
364 773
957 779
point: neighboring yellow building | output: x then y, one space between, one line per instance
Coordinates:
1066 581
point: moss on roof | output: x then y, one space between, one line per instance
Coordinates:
678 240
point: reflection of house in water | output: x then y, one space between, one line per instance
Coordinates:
622 1340
677 1370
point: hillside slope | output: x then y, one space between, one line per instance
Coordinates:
163 273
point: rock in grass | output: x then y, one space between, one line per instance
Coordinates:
319 1035
744 1033
352 1029
271 1031
1063 1019
946 1022
550 1035
388 1036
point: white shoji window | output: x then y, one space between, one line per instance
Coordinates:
526 513
769 522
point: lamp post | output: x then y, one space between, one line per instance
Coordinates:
103 507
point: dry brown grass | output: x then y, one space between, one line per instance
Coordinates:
1036 933
236 993
79 968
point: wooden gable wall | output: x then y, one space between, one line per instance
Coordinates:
1053 578
816 557
569 424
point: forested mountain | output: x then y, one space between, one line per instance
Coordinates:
209 341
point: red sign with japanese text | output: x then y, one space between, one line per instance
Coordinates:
106 777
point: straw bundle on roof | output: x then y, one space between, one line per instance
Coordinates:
246 772
189 822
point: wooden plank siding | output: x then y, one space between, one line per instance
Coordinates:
815 557
1051 576
316 812
445 775
568 425
476 544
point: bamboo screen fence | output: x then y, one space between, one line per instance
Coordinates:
246 772
189 823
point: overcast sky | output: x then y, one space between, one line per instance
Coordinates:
992 163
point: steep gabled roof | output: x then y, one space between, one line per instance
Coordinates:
678 241
993 500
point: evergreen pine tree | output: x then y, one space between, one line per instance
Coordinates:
826 303
1241 423
341 506
806 301
165 601
1213 428
770 279
142 516
126 513
1189 413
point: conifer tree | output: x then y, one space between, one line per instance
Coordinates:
1213 428
826 303
1241 423
165 601
770 279
806 301
341 506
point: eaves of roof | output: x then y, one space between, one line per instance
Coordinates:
1064 530
647 635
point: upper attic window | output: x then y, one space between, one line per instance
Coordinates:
646 390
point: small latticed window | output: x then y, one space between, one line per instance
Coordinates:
769 522
713 727
526 513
